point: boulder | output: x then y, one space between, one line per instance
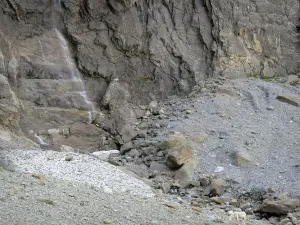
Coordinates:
185 174
126 147
293 79
178 156
217 187
220 200
200 138
241 158
153 107
139 170
134 153
157 167
149 150
292 100
281 207
65 148
102 155
128 133
175 140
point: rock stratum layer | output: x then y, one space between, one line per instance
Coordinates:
76 72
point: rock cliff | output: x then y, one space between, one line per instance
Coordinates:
78 72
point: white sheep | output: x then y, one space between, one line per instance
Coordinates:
238 216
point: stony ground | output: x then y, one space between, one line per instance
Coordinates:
243 116
27 200
219 120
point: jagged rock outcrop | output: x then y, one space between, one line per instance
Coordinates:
92 63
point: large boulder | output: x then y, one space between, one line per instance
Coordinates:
178 156
281 207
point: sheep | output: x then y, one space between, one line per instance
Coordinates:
238 216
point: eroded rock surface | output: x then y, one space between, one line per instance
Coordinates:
71 62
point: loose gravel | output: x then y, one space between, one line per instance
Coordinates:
81 168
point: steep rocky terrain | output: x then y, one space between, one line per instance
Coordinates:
67 63
151 83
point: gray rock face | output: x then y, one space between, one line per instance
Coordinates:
132 52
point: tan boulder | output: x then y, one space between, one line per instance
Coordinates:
175 140
178 156
217 187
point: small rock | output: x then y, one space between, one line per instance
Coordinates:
220 200
204 181
177 156
172 205
134 153
225 89
293 219
157 167
126 147
107 221
293 80
185 174
147 114
158 179
234 203
149 150
153 107
69 158
223 135
188 111
165 187
200 138
142 134
194 183
219 169
217 187
140 170
160 154
292 100
245 206
128 158
117 161
128 133
241 158
114 152
249 211
65 148
102 155
284 221
280 207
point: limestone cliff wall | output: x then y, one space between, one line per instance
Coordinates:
129 52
